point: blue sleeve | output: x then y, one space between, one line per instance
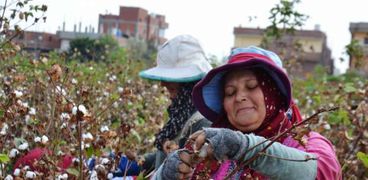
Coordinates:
276 168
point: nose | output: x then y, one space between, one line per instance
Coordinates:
241 96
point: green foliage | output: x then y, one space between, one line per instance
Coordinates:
355 50
85 49
4 158
364 158
284 18
73 172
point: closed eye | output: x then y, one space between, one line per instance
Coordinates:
229 92
252 84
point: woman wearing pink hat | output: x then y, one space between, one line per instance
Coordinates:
249 100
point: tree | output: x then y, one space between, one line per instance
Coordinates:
85 49
285 19
12 14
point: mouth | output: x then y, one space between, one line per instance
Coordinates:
245 110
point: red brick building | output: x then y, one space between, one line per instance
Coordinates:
134 22
37 42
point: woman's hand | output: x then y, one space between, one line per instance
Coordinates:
178 165
169 146
222 143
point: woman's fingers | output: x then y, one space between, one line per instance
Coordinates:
200 140
194 135
186 158
185 176
185 167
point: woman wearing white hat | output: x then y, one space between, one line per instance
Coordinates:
181 63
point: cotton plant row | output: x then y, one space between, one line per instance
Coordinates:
68 107
346 127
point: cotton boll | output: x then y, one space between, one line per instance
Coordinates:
30 174
82 109
87 136
74 81
64 116
8 177
104 128
4 129
37 139
23 146
32 111
327 126
62 176
14 152
44 139
74 110
16 172
18 94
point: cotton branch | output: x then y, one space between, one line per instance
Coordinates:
273 140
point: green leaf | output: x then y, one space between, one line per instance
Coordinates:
1 113
73 171
349 88
90 151
4 158
364 158
115 96
115 124
141 176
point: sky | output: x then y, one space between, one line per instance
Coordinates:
212 21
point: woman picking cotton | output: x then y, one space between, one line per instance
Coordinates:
181 63
249 100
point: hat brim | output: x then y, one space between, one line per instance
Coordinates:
208 93
180 74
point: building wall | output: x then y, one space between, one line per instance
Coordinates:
314 49
362 38
312 45
359 32
136 23
247 40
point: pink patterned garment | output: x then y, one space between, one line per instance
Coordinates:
328 166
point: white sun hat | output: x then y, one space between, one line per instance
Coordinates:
180 59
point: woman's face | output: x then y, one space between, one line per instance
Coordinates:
243 100
172 87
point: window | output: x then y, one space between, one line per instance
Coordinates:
21 36
366 41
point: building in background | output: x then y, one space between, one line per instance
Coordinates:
312 45
134 22
36 42
67 36
359 32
